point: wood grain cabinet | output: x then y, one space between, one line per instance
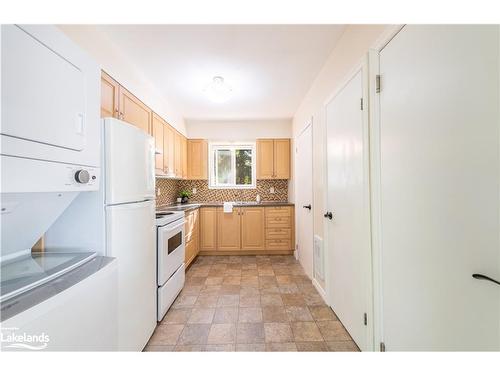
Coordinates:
279 228
159 135
109 96
252 228
177 155
208 228
169 152
118 102
197 158
273 159
192 236
184 158
228 230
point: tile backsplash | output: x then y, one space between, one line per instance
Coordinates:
169 190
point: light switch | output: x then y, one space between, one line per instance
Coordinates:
271 189
194 190
158 192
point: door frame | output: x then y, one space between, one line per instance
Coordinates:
363 66
309 125
375 183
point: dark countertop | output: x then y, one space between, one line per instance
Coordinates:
195 205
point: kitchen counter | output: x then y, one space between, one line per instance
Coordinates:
195 205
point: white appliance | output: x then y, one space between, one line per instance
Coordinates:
50 154
119 221
171 252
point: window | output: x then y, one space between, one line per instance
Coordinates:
232 165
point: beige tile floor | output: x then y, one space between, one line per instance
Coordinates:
249 303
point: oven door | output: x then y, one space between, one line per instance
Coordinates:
171 249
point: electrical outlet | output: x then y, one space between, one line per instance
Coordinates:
158 192
271 189
194 190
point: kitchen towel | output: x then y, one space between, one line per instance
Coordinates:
228 207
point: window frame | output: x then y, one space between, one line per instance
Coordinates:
232 146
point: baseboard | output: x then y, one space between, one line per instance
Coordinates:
248 252
320 290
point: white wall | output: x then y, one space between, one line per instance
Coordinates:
239 130
351 48
113 62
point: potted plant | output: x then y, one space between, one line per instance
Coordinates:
184 194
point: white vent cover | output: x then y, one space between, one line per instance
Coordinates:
319 258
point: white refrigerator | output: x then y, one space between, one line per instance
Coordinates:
119 221
130 228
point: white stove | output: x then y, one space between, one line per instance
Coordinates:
170 255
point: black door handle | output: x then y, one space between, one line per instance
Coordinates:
484 277
308 207
329 215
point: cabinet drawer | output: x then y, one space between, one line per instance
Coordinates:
278 222
278 234
278 211
278 245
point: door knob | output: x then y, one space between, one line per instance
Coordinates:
329 215
484 277
308 207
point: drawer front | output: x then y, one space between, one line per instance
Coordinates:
279 222
278 211
278 234
278 245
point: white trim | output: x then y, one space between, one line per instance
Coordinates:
232 146
320 290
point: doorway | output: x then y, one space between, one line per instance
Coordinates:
304 209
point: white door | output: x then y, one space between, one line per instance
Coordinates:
304 209
131 239
439 173
349 255
129 154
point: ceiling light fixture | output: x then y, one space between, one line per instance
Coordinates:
218 91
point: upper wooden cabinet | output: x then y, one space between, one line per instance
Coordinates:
159 135
208 228
117 102
184 157
197 157
109 96
177 154
169 150
253 228
228 230
133 111
273 159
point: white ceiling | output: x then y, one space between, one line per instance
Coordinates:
269 67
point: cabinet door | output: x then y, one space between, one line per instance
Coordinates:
109 96
169 150
252 228
177 155
133 111
158 134
208 229
282 158
197 159
265 159
184 158
228 230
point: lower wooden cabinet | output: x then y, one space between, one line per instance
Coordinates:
208 228
247 230
228 230
191 236
253 228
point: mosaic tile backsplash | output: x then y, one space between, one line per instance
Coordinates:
170 189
